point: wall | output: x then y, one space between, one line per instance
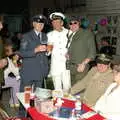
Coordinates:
97 7
103 6
37 6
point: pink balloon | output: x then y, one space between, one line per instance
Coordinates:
103 21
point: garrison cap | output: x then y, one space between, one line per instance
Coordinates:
103 59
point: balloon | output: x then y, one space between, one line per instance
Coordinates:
85 23
103 22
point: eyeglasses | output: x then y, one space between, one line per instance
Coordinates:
73 23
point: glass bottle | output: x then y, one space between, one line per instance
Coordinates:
77 107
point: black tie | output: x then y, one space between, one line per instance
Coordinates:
39 36
42 41
69 39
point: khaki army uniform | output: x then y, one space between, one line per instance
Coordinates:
95 84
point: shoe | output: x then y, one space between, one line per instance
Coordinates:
14 105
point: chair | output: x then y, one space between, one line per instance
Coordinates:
6 88
4 116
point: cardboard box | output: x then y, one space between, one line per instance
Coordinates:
44 106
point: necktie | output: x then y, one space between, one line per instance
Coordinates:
69 40
40 37
42 41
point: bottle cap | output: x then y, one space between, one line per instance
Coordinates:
78 96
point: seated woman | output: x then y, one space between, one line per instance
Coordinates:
109 103
11 74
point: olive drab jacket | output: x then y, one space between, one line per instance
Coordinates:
82 46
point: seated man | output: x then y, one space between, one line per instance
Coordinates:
95 82
109 103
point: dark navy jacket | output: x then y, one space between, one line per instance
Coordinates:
34 66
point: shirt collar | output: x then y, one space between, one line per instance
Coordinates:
37 32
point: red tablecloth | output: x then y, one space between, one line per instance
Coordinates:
67 103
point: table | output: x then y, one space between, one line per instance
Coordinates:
67 103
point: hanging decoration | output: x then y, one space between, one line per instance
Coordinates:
85 23
103 22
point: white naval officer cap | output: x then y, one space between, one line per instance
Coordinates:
57 15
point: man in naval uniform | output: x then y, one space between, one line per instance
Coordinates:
58 38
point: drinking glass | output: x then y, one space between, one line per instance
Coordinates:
27 92
49 47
